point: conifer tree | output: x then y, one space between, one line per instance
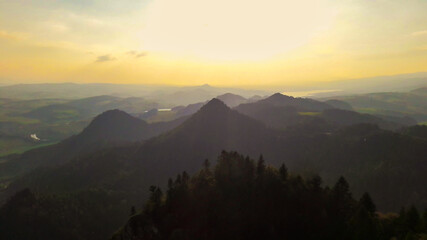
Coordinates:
283 170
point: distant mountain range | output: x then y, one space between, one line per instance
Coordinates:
191 94
165 95
231 100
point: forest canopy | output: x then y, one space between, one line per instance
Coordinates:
240 198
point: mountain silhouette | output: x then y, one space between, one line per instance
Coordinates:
232 100
111 128
280 112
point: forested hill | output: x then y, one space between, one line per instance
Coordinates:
241 199
109 129
281 112
237 198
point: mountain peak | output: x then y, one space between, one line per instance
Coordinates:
229 95
214 107
215 104
115 113
302 104
278 98
112 122
279 95
231 99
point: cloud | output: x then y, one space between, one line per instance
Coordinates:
12 36
142 54
419 33
56 26
137 54
105 58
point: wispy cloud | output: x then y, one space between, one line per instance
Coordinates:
57 27
105 58
143 54
419 33
137 54
12 36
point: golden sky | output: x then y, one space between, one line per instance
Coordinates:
248 43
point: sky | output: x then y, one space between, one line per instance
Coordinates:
245 43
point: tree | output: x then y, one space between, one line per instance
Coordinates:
342 189
283 170
412 219
206 164
156 195
260 165
367 203
132 210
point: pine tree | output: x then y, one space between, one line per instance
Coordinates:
206 164
367 203
412 219
132 210
260 166
283 170
342 189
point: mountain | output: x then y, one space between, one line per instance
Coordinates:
281 111
213 128
339 104
110 128
76 91
232 100
388 164
216 127
411 104
127 171
229 99
301 104
164 95
420 91
188 110
190 95
347 118
113 125
419 131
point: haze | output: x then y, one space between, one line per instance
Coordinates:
256 44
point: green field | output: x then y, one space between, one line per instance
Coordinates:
309 113
20 120
17 147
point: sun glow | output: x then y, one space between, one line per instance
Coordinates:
232 29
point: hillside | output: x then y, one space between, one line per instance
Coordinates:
239 198
110 128
366 155
216 127
281 111
396 104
